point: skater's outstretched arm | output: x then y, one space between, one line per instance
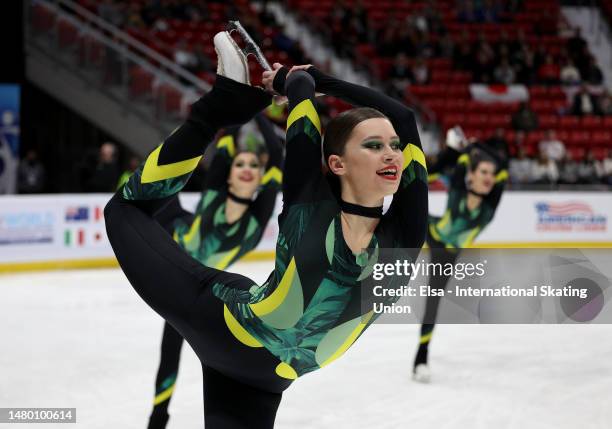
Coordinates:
167 169
148 255
302 171
446 158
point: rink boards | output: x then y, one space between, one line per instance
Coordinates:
67 230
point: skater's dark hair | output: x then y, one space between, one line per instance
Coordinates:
478 156
340 128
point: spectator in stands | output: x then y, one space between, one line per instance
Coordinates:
504 73
592 73
606 169
569 74
184 57
520 168
552 147
30 174
584 103
605 104
519 43
133 164
504 44
589 170
524 119
106 171
420 72
202 61
576 46
498 143
568 170
548 72
433 20
491 11
513 6
134 18
446 47
424 47
112 11
540 55
525 65
483 62
519 140
386 45
401 69
544 171
463 58
467 12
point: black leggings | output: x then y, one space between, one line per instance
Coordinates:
172 341
437 282
179 289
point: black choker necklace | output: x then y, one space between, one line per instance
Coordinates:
356 209
239 200
477 194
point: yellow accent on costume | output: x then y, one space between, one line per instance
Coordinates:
501 176
284 370
350 339
464 159
238 331
163 396
433 177
194 229
305 108
228 143
269 304
444 219
273 173
470 238
413 153
434 233
222 263
152 172
425 338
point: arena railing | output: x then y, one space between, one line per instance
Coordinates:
111 60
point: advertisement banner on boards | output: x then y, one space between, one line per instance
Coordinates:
71 227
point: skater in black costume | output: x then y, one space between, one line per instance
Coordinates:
227 223
254 340
476 185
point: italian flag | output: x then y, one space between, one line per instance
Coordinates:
74 237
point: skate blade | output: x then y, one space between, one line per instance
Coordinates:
251 47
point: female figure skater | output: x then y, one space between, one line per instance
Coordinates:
254 340
476 185
227 224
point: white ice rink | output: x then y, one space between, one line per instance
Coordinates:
84 339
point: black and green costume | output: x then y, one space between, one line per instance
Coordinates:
259 338
458 227
207 237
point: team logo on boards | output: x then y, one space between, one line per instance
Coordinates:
26 227
569 216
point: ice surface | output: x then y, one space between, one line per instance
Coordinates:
84 339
